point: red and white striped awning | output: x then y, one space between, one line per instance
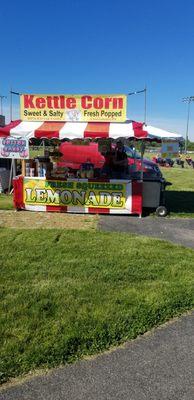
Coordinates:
82 130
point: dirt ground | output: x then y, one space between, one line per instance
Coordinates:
34 220
176 230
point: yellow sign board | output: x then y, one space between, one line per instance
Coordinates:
74 193
103 108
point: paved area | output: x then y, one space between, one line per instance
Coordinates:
156 366
180 231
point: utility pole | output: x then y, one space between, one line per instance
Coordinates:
2 97
145 100
11 105
145 105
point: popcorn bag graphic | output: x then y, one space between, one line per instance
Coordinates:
73 115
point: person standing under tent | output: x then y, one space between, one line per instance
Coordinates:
120 162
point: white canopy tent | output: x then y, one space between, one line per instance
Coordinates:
82 130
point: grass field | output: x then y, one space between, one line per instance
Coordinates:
74 291
6 201
180 196
182 179
66 294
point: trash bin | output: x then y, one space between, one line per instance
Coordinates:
154 195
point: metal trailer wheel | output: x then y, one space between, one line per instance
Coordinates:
161 211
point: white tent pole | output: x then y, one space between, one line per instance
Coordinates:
43 145
142 153
141 171
14 168
10 176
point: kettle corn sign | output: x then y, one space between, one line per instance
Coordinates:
104 108
71 193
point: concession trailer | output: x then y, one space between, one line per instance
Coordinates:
45 185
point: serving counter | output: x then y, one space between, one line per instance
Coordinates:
98 196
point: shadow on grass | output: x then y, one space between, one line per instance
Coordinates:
180 202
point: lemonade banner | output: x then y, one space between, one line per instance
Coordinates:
74 193
14 148
170 149
88 108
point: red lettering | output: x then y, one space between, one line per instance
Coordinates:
98 102
86 102
71 102
62 102
28 101
49 102
40 102
107 102
117 102
56 101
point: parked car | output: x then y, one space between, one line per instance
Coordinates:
74 155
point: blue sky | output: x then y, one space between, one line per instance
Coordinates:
104 46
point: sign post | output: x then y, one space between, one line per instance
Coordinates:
14 149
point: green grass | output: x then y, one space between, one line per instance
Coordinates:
66 294
180 196
182 178
6 201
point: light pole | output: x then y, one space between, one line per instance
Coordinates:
11 105
2 97
145 109
145 100
187 100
